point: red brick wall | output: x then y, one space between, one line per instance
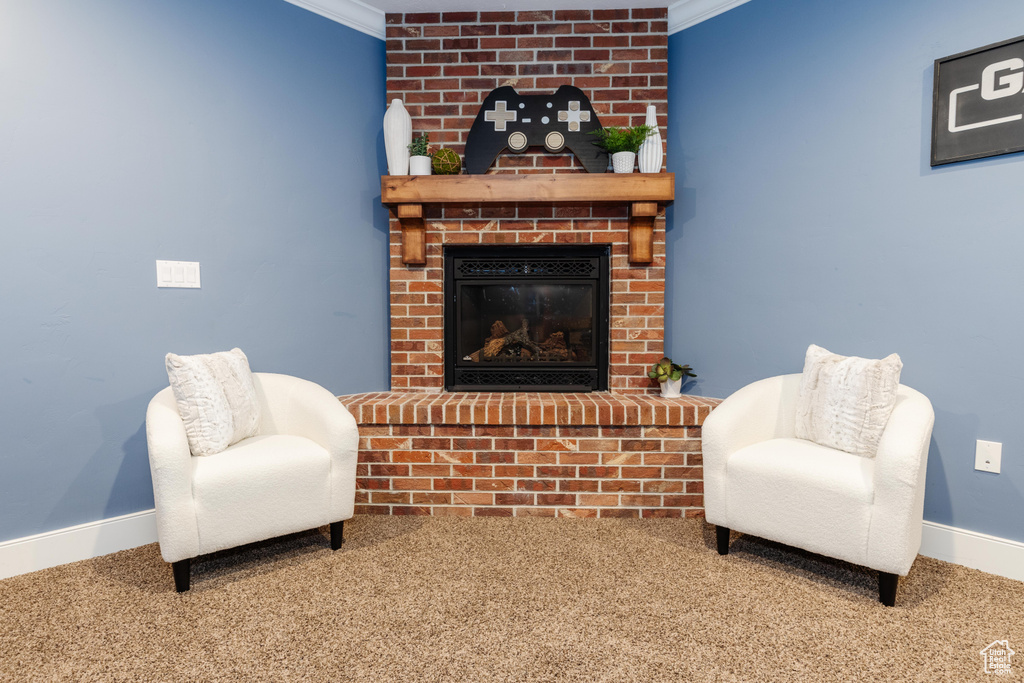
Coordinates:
442 65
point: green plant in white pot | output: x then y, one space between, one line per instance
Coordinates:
670 376
419 155
622 144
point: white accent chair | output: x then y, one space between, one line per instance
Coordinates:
297 473
761 480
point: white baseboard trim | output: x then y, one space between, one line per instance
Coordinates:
990 554
81 542
85 541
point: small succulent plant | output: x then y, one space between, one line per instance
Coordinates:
420 146
665 370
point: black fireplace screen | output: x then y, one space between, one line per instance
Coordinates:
526 318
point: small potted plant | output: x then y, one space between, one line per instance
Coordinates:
670 376
622 144
419 155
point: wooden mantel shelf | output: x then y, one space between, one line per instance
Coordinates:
644 192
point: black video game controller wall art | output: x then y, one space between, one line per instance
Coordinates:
508 120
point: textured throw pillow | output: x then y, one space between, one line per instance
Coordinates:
845 401
216 399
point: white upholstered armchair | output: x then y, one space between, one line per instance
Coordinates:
761 480
298 472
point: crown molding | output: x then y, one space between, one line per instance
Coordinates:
351 13
686 13
370 20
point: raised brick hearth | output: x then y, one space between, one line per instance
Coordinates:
519 454
625 453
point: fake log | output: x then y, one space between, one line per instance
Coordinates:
520 337
502 341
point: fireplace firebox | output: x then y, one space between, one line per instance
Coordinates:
526 318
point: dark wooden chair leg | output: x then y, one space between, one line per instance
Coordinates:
722 536
182 570
887 584
336 534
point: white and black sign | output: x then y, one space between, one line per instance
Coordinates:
978 108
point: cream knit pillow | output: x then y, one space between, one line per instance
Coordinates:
845 401
216 399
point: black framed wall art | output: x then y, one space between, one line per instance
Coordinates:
978 103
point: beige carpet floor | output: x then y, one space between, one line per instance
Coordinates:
438 599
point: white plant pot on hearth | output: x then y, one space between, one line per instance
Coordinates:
419 165
670 388
622 162
397 137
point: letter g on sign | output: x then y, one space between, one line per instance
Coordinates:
1007 85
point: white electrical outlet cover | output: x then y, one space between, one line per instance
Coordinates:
988 456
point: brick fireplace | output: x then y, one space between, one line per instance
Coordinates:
442 65
625 452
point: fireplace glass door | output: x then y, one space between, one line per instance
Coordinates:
526 318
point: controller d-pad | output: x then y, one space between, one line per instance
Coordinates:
517 141
574 115
500 115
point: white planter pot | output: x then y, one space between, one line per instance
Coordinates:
622 162
670 388
397 138
650 155
419 165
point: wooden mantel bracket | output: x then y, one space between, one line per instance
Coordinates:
641 231
414 234
644 193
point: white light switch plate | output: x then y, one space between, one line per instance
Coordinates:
988 457
177 274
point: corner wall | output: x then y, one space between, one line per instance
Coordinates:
806 212
244 134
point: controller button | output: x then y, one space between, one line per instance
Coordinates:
517 141
545 120
549 105
554 141
574 116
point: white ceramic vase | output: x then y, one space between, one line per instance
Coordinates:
622 162
419 165
650 155
397 137
670 388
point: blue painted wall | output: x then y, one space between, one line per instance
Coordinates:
244 134
806 211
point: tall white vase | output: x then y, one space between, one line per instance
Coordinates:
649 156
397 137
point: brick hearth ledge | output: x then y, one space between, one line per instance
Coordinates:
529 454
